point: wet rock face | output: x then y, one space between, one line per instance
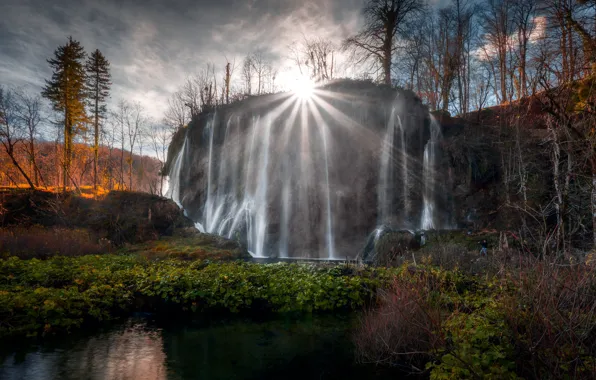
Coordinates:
309 178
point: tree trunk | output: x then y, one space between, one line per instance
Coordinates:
571 52
559 206
10 152
387 52
66 154
96 142
593 200
503 72
228 78
130 171
594 204
564 55
34 168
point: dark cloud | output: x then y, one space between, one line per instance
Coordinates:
154 45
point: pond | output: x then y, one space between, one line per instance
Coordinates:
142 348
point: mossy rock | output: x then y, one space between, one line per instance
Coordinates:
386 247
197 247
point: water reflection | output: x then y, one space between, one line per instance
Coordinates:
317 348
128 353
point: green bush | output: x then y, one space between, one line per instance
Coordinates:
479 346
38 297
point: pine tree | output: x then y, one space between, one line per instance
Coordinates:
98 87
66 90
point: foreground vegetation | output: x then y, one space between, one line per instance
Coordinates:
519 318
55 295
526 319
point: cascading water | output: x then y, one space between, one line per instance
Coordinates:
174 180
329 236
405 173
429 175
387 173
308 178
209 204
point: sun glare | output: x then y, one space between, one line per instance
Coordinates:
303 87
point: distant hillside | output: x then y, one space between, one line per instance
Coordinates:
113 168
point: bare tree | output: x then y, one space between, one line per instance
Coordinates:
450 43
12 131
135 121
315 58
230 69
109 136
576 20
177 115
480 88
247 74
523 19
259 66
121 118
384 22
29 114
498 24
206 81
191 96
159 140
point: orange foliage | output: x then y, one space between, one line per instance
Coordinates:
112 175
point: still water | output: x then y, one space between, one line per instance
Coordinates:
141 348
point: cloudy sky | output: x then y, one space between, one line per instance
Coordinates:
153 45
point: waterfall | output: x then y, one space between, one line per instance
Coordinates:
405 174
260 199
329 235
286 209
310 178
209 203
429 217
387 173
174 181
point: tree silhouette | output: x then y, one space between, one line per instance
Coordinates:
98 88
384 21
67 92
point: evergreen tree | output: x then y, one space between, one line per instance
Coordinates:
98 87
66 90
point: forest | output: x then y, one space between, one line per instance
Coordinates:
413 196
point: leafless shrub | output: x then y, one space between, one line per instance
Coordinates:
41 243
552 313
404 329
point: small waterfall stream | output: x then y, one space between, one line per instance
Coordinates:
387 173
429 175
405 174
174 180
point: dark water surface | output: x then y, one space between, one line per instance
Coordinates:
306 348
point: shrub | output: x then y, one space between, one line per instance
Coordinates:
479 347
551 311
93 288
404 330
521 318
41 242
